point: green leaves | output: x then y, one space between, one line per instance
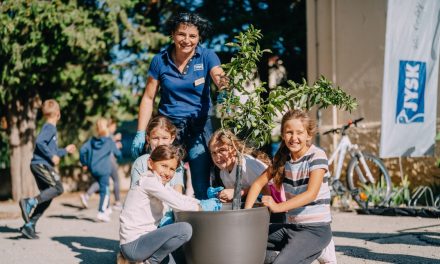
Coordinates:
252 116
65 50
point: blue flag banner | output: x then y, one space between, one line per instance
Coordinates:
409 102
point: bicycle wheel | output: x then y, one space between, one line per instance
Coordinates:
377 193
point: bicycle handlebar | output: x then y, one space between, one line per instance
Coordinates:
344 127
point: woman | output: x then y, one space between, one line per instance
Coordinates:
184 71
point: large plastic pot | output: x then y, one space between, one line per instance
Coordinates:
227 236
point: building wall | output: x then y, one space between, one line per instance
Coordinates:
349 50
346 44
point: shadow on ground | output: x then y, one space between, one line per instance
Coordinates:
7 229
80 208
407 238
72 217
91 249
366 254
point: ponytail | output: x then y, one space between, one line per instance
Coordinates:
280 159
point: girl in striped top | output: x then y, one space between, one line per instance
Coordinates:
302 169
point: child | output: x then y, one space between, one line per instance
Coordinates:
114 174
223 146
112 126
46 156
96 154
160 131
145 205
302 169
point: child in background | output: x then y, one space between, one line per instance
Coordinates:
160 131
46 156
112 126
223 145
145 205
96 155
302 169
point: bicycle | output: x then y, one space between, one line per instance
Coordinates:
367 178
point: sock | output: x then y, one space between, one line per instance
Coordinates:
32 202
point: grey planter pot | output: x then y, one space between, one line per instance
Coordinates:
227 236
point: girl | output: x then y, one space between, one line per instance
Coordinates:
96 155
145 205
160 131
223 145
112 126
302 169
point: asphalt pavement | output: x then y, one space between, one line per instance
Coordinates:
70 234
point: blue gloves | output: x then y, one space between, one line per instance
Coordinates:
222 96
212 204
167 219
138 144
213 192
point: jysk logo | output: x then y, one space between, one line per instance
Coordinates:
411 92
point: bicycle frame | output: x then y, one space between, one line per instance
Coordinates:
345 145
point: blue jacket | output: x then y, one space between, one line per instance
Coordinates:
96 155
46 146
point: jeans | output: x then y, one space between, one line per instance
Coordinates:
193 134
297 243
104 191
115 177
157 245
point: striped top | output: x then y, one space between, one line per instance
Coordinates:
297 174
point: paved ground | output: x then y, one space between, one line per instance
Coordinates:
69 234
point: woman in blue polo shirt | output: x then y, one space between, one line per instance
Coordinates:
184 72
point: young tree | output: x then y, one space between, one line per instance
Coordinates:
253 119
62 50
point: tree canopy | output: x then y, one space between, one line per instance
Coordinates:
68 50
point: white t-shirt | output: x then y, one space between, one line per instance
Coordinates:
251 169
146 203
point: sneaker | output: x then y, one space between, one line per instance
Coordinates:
28 231
117 206
103 217
108 211
84 200
26 208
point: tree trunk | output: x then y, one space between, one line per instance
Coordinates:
21 131
236 201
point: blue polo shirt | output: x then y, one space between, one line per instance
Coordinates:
184 94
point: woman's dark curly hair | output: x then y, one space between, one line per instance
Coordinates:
202 24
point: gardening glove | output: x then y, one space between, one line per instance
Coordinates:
212 204
213 192
222 95
138 144
167 219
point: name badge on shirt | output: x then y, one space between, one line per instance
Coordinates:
198 67
199 81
